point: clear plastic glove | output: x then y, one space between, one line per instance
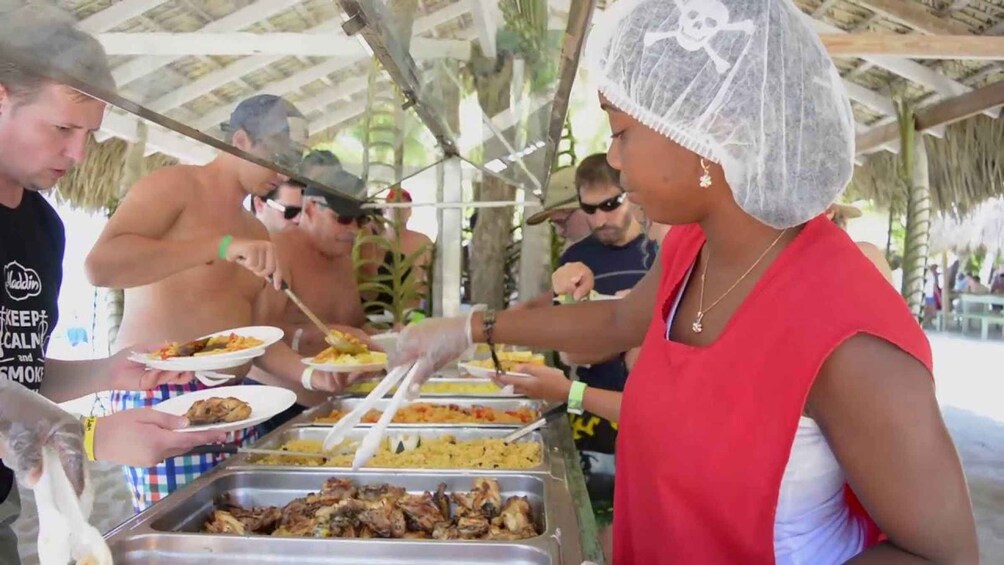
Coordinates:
575 279
438 341
29 422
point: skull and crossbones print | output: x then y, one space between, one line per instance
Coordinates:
700 21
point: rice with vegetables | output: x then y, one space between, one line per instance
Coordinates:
445 452
425 413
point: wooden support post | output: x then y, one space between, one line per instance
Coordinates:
914 173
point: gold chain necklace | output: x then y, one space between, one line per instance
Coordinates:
698 325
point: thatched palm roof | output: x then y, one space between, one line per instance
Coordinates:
966 169
97 184
200 89
982 227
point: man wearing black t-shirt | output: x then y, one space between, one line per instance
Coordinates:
44 128
618 253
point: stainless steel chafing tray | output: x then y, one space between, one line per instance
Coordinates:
355 389
346 404
169 531
278 438
155 549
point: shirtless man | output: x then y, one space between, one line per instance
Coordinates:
192 261
409 242
280 208
316 259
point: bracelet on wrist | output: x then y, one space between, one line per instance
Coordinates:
306 377
576 394
90 426
225 245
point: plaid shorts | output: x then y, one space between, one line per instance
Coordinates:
151 484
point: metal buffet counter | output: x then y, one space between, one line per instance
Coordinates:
172 532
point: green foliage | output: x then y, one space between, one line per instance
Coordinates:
526 35
399 283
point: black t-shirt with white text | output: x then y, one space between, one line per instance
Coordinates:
32 242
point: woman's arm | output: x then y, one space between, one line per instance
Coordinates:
604 328
550 384
876 406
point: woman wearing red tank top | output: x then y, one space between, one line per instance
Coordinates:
763 324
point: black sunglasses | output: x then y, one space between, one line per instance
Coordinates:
608 205
348 220
288 212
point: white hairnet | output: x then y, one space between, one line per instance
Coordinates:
744 83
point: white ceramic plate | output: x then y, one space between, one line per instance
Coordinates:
204 363
265 401
332 368
483 373
267 334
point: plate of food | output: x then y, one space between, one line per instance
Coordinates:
221 350
485 368
228 408
347 354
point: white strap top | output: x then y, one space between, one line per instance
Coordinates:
813 524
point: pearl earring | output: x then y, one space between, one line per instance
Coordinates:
705 180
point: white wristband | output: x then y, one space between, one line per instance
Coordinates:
296 340
469 329
306 377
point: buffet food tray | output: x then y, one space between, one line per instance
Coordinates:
346 404
169 532
279 437
458 385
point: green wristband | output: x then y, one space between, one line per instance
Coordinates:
575 396
225 245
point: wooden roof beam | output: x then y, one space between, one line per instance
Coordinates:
910 70
863 45
424 24
914 15
245 17
332 44
939 114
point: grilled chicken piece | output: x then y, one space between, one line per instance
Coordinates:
420 512
445 531
372 493
417 535
223 522
191 348
516 514
345 514
298 526
218 410
339 488
472 527
442 501
384 519
487 498
501 534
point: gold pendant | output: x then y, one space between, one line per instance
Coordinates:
697 326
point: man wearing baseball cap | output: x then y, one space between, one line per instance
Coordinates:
316 259
193 261
561 208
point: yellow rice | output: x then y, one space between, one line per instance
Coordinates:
445 452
